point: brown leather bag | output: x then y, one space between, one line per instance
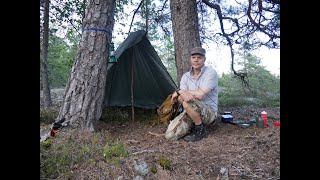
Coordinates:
168 110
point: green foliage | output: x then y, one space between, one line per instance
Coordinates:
121 13
120 6
67 14
148 116
59 155
166 54
239 27
46 144
60 60
124 114
115 151
154 169
47 116
119 114
52 163
164 162
264 87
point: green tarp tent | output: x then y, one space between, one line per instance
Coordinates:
139 71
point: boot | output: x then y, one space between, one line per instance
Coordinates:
197 134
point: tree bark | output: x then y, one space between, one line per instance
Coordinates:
83 102
185 27
45 82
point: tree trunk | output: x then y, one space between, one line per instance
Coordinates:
83 102
45 82
185 27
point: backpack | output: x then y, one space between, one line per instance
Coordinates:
168 110
178 127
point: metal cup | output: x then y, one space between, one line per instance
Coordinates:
260 123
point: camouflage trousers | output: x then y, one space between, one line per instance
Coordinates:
207 113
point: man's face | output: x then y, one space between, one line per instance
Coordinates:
197 61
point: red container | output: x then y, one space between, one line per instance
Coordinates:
264 116
276 123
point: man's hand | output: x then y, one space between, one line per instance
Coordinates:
186 96
174 97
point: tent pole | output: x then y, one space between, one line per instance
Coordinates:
132 104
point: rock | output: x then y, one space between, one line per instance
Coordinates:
141 167
224 173
138 178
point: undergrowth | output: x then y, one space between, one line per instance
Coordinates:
48 115
65 151
124 114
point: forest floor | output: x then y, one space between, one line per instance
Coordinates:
229 151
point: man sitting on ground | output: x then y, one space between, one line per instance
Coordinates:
198 94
